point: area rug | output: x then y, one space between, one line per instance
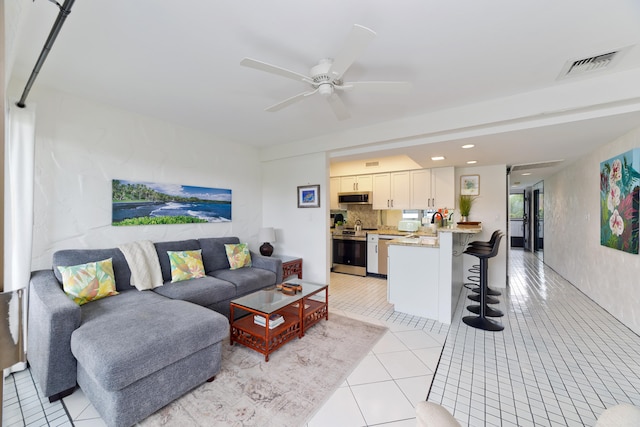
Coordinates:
286 391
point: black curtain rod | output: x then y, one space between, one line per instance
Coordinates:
65 10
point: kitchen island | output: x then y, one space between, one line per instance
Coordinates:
425 274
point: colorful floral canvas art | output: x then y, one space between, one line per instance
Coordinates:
619 191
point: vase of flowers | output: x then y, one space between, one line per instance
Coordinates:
465 202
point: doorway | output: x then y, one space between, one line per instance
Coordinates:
518 220
538 212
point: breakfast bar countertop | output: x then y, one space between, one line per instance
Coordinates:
463 230
431 240
395 232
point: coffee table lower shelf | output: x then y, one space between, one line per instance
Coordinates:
244 331
316 311
297 320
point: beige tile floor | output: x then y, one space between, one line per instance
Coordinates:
385 387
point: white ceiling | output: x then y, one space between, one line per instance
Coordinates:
179 61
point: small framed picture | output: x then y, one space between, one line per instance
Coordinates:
470 185
309 196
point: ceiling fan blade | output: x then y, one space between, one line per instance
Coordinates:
282 104
356 43
273 69
376 87
338 107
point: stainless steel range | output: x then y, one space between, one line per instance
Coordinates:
350 252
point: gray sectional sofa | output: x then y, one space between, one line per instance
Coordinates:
137 351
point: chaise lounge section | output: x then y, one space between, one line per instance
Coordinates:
137 351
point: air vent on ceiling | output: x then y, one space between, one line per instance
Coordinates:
581 67
550 164
371 164
591 64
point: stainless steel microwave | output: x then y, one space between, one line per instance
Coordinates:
359 198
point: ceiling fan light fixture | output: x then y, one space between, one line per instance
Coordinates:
325 89
326 76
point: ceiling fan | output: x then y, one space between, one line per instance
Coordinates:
326 77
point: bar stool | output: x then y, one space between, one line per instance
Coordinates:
475 309
483 254
488 310
487 299
475 280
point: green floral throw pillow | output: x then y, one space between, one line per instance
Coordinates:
89 282
186 265
238 255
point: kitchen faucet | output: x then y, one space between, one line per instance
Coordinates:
441 219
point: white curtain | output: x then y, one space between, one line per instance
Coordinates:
19 178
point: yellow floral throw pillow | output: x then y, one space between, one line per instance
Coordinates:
89 282
186 265
238 255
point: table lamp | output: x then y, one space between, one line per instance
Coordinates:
266 235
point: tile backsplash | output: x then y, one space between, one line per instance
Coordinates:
370 218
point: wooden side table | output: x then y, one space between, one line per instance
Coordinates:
291 266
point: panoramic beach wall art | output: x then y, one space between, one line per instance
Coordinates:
149 203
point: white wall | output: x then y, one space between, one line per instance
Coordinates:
302 232
572 236
579 99
491 209
385 164
81 146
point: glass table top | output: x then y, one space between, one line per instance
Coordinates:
270 300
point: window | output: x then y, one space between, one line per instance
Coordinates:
411 214
516 206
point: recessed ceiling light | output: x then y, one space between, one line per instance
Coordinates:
526 174
468 146
437 158
472 162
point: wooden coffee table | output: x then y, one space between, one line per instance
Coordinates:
300 312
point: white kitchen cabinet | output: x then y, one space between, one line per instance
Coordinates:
392 190
443 187
334 189
433 188
401 190
353 183
381 191
421 189
364 183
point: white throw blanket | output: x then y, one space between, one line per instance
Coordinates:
143 263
